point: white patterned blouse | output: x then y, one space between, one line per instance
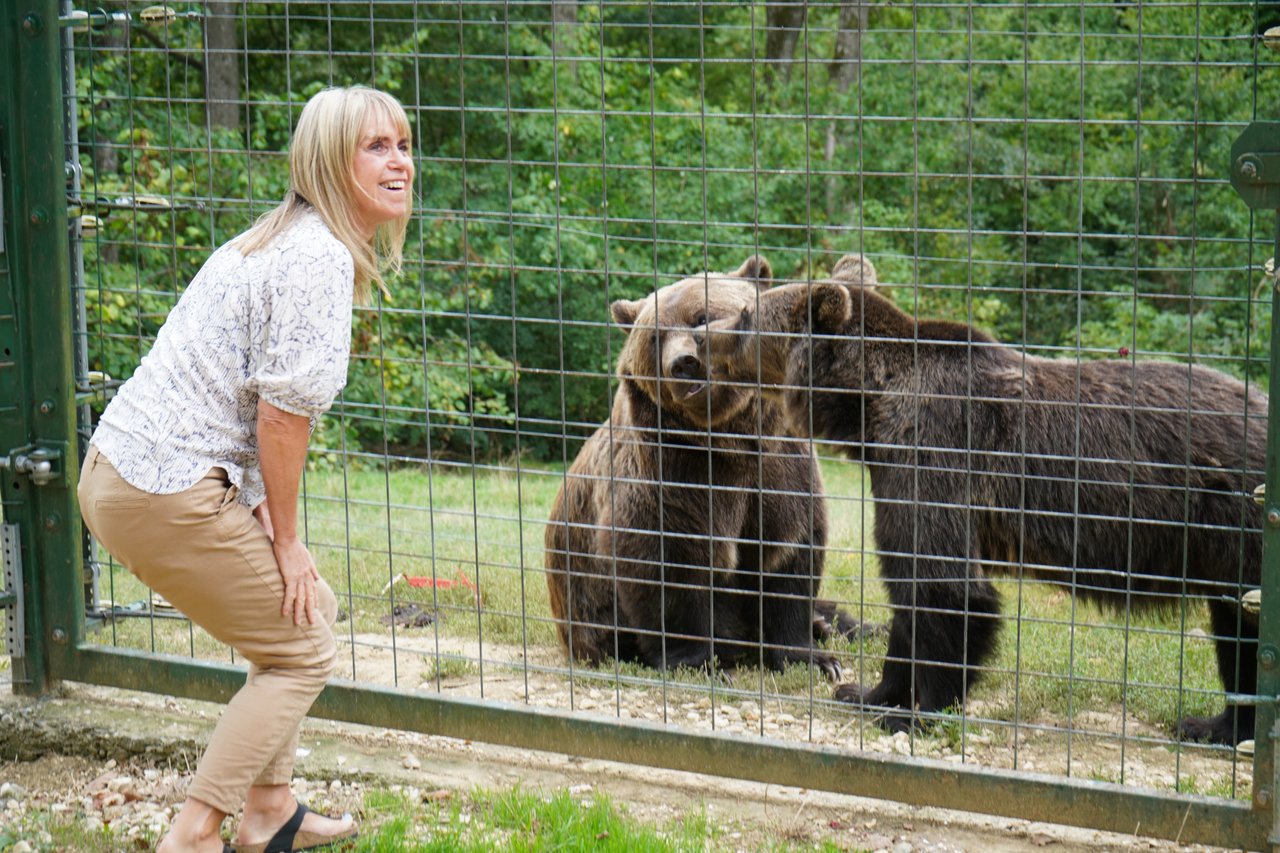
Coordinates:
275 325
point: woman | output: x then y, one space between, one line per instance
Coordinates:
192 474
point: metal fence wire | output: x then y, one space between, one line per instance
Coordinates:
983 504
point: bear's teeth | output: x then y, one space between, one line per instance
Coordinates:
695 390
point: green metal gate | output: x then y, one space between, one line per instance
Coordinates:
52 587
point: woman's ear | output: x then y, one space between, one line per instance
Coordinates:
625 311
757 270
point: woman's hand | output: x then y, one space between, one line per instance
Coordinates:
298 571
282 450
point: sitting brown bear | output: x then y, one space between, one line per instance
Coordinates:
1126 481
690 527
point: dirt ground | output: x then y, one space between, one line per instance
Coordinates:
98 755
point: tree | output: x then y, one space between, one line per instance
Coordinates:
222 67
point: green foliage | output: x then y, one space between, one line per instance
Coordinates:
1052 173
520 820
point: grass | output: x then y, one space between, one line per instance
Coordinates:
393 821
480 532
523 821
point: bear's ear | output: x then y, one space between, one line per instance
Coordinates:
625 311
756 269
828 308
855 269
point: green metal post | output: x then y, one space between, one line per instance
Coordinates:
37 390
1255 174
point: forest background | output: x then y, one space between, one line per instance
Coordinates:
1053 173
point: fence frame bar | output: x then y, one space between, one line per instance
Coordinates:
37 412
37 386
906 779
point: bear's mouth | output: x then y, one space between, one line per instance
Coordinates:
696 388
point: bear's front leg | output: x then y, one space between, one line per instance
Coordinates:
664 595
790 613
945 612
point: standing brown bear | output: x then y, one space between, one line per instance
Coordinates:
690 526
1126 481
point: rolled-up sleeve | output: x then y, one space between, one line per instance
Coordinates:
306 334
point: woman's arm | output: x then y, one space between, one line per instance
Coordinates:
282 451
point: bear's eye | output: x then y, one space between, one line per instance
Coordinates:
700 320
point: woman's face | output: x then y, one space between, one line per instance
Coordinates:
383 175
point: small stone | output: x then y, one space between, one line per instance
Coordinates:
21 847
411 762
903 847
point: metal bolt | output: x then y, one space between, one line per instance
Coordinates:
32 25
1273 516
1267 657
60 637
39 216
52 520
1249 170
47 406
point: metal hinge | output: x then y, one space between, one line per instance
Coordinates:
11 591
38 463
1255 165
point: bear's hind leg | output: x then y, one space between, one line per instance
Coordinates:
1238 668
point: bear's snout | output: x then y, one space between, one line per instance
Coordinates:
687 367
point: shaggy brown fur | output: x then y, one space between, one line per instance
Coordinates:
1126 481
690 525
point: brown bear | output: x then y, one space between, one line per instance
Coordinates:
690 527
1126 481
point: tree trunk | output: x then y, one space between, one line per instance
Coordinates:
564 17
783 23
846 58
845 67
222 66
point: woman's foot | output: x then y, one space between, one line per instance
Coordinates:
196 829
293 828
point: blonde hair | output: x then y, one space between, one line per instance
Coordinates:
321 157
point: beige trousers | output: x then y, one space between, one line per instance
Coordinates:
206 553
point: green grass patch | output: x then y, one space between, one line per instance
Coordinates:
476 535
523 821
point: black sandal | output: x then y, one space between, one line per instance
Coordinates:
290 838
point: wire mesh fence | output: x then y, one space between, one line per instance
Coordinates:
787 490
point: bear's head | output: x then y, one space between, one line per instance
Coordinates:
665 354
754 346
